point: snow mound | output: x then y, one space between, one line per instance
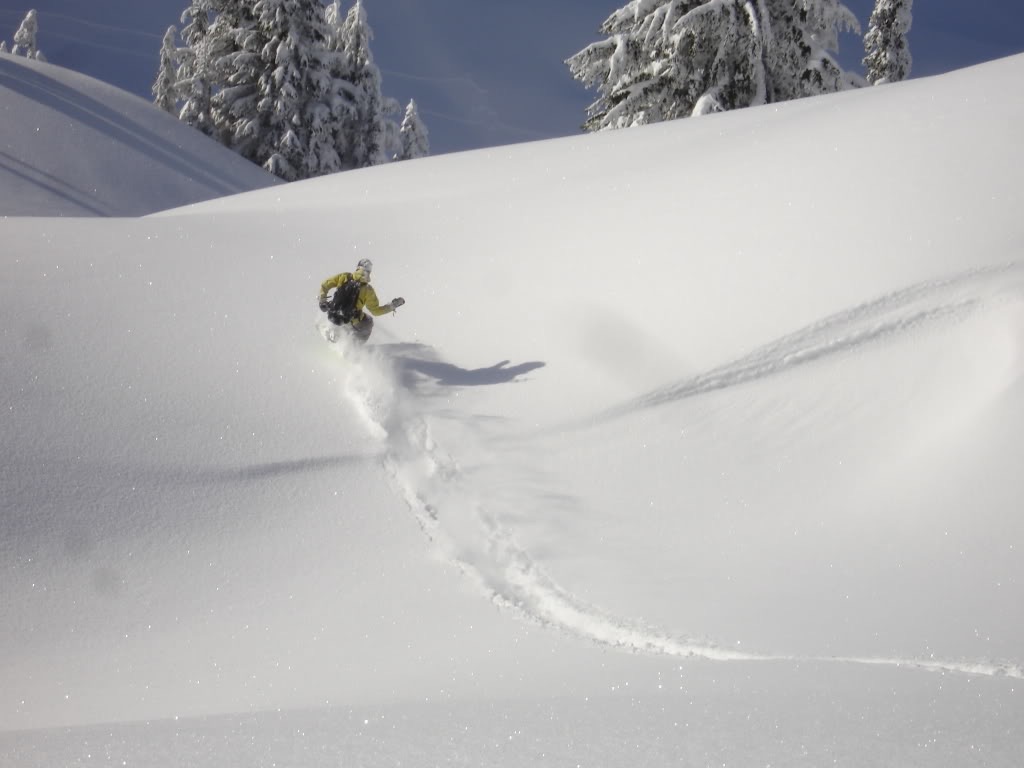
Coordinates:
74 146
742 452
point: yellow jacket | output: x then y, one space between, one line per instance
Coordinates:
367 296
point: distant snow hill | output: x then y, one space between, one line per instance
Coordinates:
74 146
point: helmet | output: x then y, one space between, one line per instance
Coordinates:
366 265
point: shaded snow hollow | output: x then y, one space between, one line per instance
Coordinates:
694 444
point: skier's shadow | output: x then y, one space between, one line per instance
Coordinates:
413 363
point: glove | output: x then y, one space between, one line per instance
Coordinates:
396 303
323 304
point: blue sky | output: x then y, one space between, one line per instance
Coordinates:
483 72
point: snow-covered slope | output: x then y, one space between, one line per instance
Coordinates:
73 146
695 444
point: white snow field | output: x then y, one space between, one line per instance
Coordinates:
697 444
74 146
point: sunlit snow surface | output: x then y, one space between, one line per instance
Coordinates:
694 444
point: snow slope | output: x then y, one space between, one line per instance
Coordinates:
73 146
694 444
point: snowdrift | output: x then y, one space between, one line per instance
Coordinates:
73 146
696 443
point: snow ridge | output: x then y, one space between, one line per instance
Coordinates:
898 313
468 537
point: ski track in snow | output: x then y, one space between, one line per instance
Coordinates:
466 536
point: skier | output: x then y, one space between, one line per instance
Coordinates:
352 294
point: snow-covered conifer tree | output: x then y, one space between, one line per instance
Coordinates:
364 141
235 64
335 19
413 135
288 84
288 133
665 59
888 55
25 38
195 75
804 36
165 93
343 92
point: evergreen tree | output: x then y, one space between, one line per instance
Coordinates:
888 55
287 133
804 35
165 86
335 19
25 38
343 91
364 141
413 135
288 84
666 59
195 75
235 45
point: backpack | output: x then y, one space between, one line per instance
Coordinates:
346 296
